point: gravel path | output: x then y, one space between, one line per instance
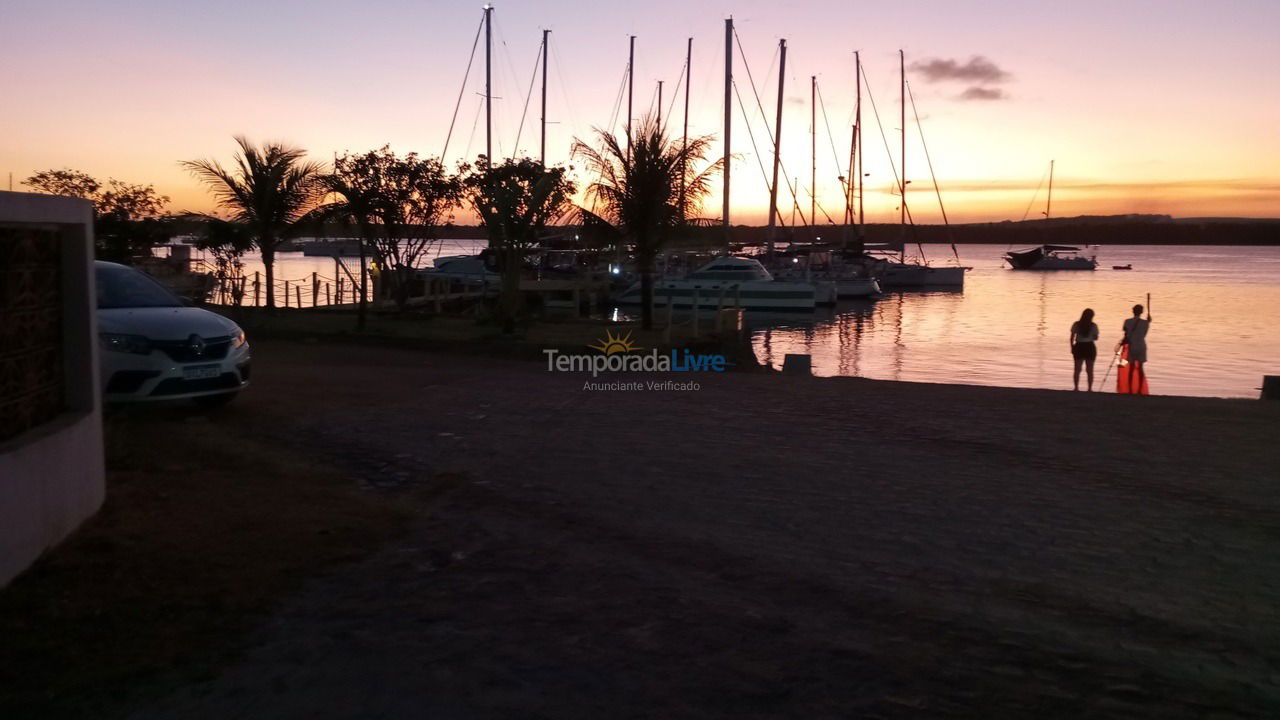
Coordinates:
768 546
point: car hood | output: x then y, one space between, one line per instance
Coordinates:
165 323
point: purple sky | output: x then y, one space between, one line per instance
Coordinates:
1146 106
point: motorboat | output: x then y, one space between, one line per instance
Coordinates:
1050 257
730 281
463 272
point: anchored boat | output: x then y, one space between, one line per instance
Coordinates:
733 281
1050 257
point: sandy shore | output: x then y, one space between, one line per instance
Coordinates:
767 546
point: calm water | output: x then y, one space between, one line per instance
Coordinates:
1215 329
294 266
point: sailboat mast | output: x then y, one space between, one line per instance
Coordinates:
849 177
659 103
857 121
902 120
631 76
1048 204
813 154
728 113
684 137
488 84
777 145
542 152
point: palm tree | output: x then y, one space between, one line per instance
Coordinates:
640 192
269 189
354 202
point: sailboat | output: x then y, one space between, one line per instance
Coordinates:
903 275
766 290
1050 257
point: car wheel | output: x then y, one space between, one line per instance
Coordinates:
215 401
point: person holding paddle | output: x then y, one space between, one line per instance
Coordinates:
1084 349
1135 352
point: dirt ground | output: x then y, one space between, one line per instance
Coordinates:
764 546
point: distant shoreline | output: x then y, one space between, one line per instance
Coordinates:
1090 230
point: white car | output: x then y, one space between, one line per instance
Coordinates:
154 347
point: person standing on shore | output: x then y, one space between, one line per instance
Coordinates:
1135 338
1084 348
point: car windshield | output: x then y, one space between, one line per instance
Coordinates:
122 287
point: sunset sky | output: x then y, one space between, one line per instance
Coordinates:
1152 107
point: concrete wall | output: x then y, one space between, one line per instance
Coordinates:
52 477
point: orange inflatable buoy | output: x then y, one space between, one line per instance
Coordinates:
1131 377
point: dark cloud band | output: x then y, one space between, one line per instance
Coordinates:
977 69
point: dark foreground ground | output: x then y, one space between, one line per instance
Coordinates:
762 547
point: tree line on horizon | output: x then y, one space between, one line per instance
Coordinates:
646 187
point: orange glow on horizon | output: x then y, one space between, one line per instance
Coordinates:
1136 123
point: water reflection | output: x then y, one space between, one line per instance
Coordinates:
1216 330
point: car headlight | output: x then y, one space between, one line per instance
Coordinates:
117 342
237 338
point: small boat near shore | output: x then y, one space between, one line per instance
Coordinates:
734 281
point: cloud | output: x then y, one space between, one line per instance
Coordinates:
977 92
978 69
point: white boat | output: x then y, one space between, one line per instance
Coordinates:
857 287
907 276
465 268
463 273
734 281
833 284
1050 257
822 267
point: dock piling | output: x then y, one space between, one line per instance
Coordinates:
797 364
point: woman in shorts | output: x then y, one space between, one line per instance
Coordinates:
1084 345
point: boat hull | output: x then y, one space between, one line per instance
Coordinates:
857 287
907 277
1049 257
1057 263
750 295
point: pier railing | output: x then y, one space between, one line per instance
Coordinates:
318 290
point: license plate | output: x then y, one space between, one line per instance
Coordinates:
200 372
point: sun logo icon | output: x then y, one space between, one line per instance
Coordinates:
614 344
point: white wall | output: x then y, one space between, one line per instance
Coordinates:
52 477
